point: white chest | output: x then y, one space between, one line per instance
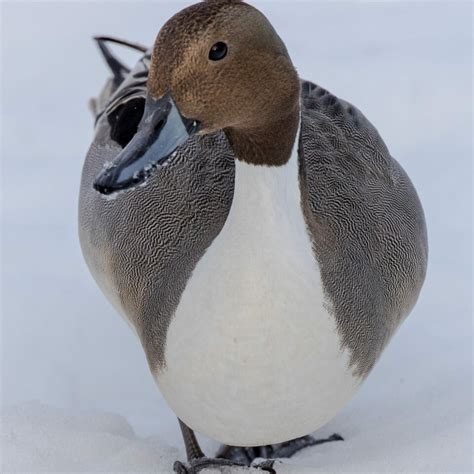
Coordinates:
252 354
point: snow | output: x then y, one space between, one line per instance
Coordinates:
41 438
76 392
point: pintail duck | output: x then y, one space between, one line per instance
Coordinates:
251 227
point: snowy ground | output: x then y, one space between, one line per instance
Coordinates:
76 391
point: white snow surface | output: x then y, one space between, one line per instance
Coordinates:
77 395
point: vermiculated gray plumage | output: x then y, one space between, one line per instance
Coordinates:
366 221
364 217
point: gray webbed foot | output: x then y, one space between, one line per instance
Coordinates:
223 465
244 455
259 457
288 449
282 450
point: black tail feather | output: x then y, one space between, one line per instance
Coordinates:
119 70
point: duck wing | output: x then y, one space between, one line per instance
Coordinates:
367 223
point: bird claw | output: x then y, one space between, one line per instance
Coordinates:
265 465
197 465
223 465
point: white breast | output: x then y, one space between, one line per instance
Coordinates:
252 354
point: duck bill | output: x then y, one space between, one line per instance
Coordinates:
160 132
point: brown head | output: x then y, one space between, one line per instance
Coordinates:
220 65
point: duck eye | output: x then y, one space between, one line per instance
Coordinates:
218 51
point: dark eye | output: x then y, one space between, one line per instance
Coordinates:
218 51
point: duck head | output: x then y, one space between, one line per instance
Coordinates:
217 65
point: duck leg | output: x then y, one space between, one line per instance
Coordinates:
197 461
281 450
193 450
